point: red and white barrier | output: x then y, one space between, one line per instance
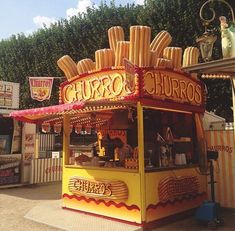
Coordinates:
224 167
46 170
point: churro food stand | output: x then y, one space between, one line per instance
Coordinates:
135 92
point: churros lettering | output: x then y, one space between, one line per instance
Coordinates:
104 86
173 187
165 85
221 148
108 189
92 187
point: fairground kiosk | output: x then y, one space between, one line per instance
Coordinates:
10 136
134 92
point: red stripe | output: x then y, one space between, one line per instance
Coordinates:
106 203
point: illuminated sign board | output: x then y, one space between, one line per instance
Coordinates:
159 84
101 85
168 85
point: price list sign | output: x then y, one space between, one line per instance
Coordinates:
9 95
6 93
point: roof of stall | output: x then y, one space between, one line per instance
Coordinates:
77 111
222 68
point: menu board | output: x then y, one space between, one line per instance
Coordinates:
9 95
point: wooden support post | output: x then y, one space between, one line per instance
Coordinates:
233 95
141 159
66 139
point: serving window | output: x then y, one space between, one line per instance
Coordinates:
169 139
109 144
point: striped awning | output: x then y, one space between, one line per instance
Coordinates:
54 114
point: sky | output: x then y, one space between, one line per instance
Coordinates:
26 16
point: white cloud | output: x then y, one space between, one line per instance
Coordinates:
28 32
42 21
81 8
139 2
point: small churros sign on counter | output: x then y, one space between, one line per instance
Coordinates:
174 187
110 189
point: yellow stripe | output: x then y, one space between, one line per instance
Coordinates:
141 160
209 141
230 169
223 169
217 179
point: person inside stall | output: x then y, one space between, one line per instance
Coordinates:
108 145
123 150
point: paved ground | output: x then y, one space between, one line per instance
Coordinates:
21 207
15 203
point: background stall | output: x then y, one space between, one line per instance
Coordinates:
10 135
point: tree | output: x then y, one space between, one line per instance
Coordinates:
80 37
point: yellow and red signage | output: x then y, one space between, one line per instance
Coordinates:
160 84
224 170
174 86
102 85
40 87
109 189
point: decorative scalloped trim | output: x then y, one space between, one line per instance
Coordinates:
106 203
172 202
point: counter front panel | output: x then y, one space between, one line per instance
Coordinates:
172 192
101 191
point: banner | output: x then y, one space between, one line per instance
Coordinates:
224 167
40 87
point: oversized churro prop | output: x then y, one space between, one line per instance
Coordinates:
140 51
85 65
68 66
104 58
122 52
115 34
174 54
159 43
190 57
160 62
139 45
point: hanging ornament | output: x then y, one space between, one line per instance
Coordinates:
71 128
46 127
130 115
88 129
57 128
78 128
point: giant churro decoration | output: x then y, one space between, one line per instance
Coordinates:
119 70
140 51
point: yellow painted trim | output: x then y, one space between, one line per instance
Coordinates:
141 159
233 94
36 146
66 139
116 169
165 109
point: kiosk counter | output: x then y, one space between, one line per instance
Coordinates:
145 165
